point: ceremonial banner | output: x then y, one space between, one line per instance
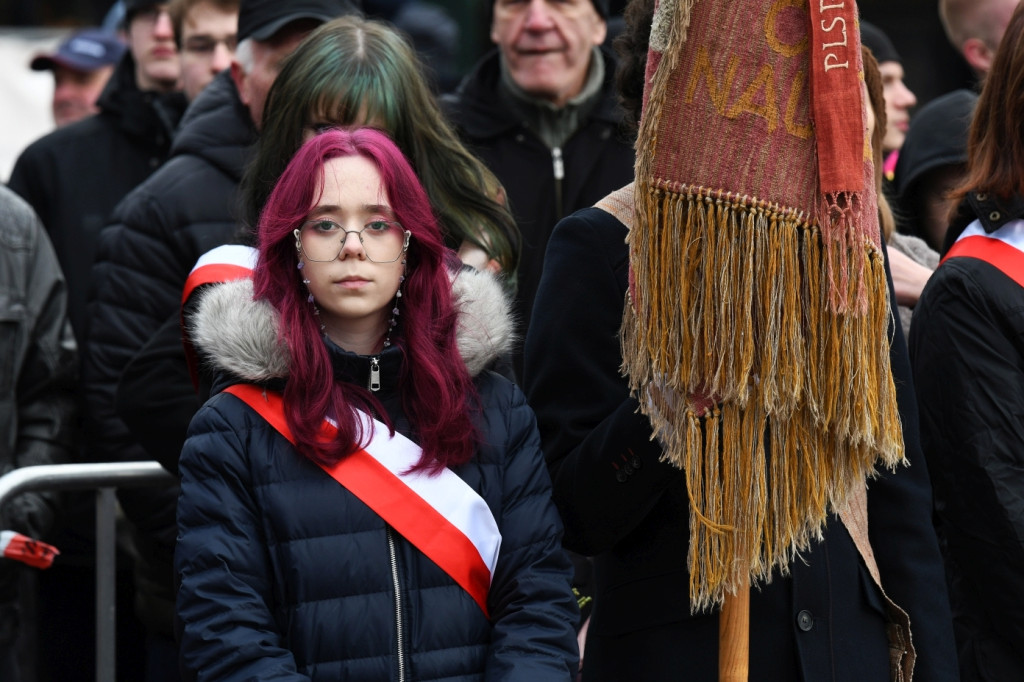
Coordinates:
755 335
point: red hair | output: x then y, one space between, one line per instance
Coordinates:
435 388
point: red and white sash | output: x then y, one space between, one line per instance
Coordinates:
440 514
1003 248
222 264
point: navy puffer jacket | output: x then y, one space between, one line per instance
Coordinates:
287 575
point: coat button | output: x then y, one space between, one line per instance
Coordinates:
621 476
805 620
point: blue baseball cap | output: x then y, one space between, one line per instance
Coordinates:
85 50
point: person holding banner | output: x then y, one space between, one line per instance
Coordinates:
672 511
967 348
362 501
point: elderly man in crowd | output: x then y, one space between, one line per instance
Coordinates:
541 113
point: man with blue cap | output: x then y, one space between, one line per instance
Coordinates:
81 66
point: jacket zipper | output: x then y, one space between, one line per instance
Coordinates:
559 168
375 373
399 631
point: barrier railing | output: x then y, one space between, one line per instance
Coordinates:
105 478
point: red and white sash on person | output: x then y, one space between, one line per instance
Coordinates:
222 264
1003 248
440 514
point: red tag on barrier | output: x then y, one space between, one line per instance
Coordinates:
27 550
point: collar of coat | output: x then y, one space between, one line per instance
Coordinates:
239 335
477 108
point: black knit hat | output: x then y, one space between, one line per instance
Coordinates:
875 40
133 7
261 19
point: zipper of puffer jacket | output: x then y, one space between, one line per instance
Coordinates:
399 630
559 168
374 383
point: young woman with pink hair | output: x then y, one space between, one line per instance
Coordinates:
363 500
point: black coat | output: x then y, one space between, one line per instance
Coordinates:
158 232
76 175
596 160
630 511
967 346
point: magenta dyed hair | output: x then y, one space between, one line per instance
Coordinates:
436 390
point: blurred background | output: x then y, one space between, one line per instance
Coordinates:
27 27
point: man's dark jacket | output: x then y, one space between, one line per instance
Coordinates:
76 175
596 160
37 363
142 260
629 510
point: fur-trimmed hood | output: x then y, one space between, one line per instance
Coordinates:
239 335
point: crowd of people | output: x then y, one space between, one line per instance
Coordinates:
554 370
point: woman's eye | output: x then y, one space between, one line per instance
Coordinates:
378 225
325 225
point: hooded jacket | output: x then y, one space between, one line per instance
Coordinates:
76 175
143 258
285 574
937 140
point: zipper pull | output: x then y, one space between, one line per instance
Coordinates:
556 158
375 373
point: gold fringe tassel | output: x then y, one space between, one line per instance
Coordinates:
771 400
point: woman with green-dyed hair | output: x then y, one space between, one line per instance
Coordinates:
354 72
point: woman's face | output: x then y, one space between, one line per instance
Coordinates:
354 293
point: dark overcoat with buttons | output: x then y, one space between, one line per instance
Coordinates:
143 257
628 510
597 159
967 347
74 176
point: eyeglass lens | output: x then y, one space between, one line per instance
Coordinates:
382 241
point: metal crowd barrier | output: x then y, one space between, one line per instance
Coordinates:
105 478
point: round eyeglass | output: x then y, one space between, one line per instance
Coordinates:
383 241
